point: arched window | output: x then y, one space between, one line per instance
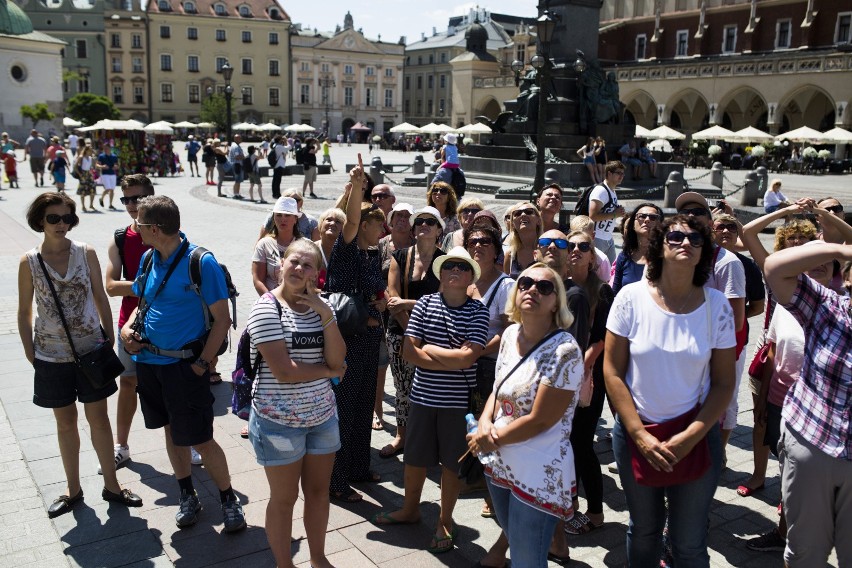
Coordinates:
220 10
189 7
245 11
164 6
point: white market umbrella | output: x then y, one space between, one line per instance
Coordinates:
244 126
660 145
803 134
713 133
477 128
108 124
301 128
140 125
666 133
405 128
838 136
431 128
269 127
160 127
642 132
206 125
185 124
69 122
751 134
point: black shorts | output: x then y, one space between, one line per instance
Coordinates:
173 395
773 428
435 435
60 384
192 158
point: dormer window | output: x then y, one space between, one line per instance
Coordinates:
220 10
164 6
274 14
245 11
189 7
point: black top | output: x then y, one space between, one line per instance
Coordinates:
351 269
578 304
429 284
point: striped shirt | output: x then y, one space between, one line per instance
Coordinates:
298 405
819 404
435 323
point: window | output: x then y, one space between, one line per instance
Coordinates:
164 6
83 84
419 108
192 63
220 10
844 26
245 63
682 43
782 34
430 81
406 107
194 94
138 95
115 40
137 65
246 36
325 68
441 106
274 68
419 82
274 14
680 5
304 66
191 33
348 96
220 35
165 32
431 58
81 48
248 95
388 97
165 62
443 57
641 43
420 60
116 64
348 70
274 97
118 94
189 8
305 94
370 71
442 81
370 98
220 62
165 92
136 41
729 39
273 38
245 12
429 107
388 72
407 82
521 52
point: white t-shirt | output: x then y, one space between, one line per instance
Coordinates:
604 266
669 353
269 252
789 338
728 275
73 140
499 291
771 198
609 201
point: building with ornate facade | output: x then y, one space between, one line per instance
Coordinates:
342 78
773 64
189 41
127 58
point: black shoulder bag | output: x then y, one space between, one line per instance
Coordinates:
101 365
350 309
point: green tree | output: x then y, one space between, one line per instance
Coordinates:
37 112
214 109
90 108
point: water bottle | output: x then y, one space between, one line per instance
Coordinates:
472 427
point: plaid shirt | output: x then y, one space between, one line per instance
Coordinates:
818 406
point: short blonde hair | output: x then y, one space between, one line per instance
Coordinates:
333 212
562 317
294 193
776 181
469 202
514 239
582 223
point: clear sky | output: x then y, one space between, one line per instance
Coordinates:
395 18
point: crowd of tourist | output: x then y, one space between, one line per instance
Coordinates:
529 325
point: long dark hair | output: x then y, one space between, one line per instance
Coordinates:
657 242
631 240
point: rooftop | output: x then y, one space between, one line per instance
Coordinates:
255 9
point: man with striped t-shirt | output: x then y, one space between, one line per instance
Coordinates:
446 333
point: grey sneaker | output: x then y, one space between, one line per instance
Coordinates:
190 506
235 519
122 456
770 540
196 457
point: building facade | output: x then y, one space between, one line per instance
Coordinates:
191 40
127 58
773 64
343 78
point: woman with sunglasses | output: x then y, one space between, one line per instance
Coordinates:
631 261
269 250
442 197
466 211
669 370
74 271
526 422
409 278
523 238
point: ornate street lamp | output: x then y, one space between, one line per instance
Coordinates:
227 73
545 24
517 68
326 82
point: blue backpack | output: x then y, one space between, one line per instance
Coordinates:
245 373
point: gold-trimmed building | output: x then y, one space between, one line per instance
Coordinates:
126 38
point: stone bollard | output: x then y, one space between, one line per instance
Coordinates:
751 191
419 166
763 179
716 173
430 175
376 168
674 187
551 175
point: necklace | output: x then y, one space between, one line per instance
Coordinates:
666 302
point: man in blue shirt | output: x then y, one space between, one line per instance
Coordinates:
107 162
168 338
235 156
192 147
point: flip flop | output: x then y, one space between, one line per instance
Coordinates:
561 560
215 378
371 477
385 454
383 519
580 524
746 491
377 423
435 546
348 495
244 432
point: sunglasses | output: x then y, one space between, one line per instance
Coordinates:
732 227
695 212
545 242
528 211
470 210
441 190
544 287
618 173
835 209
583 246
460 264
132 199
696 240
53 218
138 224
649 216
483 241
381 196
427 220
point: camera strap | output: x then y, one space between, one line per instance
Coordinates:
148 264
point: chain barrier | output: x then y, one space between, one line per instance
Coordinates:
702 176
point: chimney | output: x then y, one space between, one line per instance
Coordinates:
434 31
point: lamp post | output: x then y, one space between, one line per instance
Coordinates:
227 73
545 25
326 82
517 68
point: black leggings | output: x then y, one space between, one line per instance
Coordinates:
586 464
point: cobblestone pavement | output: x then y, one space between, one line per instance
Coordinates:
97 535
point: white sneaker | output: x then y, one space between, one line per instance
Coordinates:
196 457
122 456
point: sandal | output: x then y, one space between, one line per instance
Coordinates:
377 423
244 432
580 524
371 477
215 378
384 519
561 560
487 512
348 495
389 451
746 491
441 544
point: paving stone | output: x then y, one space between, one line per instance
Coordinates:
117 551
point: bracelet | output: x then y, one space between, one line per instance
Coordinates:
328 322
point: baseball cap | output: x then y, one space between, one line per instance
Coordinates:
690 197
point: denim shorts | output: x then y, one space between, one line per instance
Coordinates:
57 385
277 444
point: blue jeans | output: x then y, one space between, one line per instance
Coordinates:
688 509
529 530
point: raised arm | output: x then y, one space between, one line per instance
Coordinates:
352 192
782 269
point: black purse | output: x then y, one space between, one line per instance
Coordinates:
349 309
100 366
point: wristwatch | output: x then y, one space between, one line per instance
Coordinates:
202 363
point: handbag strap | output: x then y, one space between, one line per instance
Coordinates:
707 311
58 307
408 272
519 363
494 288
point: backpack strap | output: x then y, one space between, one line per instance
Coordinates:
259 358
120 236
195 280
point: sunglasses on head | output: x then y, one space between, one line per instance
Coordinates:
544 287
732 227
53 218
381 196
695 212
460 264
430 221
582 245
528 211
471 210
482 241
648 216
835 208
131 199
545 242
441 190
696 240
